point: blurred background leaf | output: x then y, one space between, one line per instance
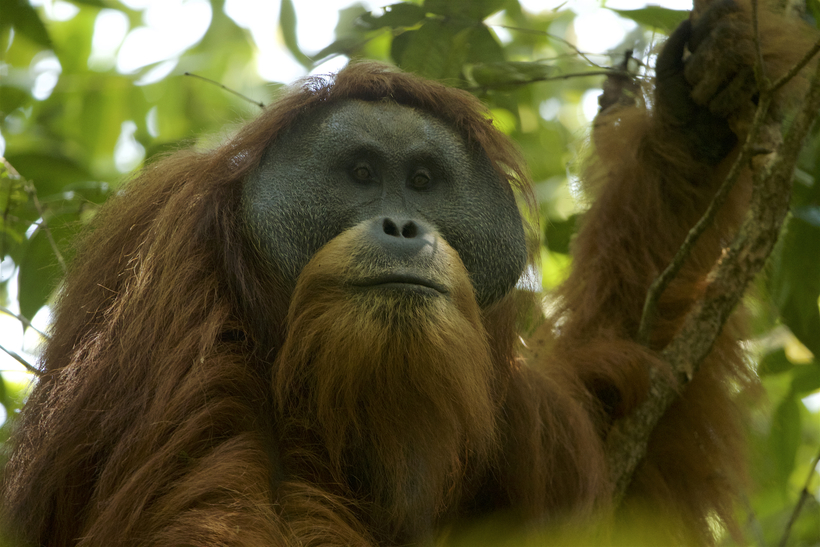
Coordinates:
92 89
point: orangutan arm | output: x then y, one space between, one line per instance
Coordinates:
655 172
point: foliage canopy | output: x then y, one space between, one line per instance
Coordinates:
74 125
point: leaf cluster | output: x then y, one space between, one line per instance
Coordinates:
73 125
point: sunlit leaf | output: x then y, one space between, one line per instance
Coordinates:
555 268
796 281
663 19
20 15
472 9
785 436
287 23
394 16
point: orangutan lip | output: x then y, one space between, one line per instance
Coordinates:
404 282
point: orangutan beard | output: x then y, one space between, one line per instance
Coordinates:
395 385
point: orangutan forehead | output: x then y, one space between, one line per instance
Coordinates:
384 119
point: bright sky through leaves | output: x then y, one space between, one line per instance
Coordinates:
170 27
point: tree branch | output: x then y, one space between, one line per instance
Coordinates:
260 104
29 188
796 68
25 322
659 285
567 76
771 191
804 495
16 356
760 68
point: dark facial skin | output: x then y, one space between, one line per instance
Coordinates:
404 171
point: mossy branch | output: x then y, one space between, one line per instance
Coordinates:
744 258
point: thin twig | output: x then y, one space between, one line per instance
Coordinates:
752 523
31 368
796 68
32 193
628 439
605 72
760 69
29 188
26 323
804 495
553 37
659 285
226 88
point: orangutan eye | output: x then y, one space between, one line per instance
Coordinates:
362 172
420 180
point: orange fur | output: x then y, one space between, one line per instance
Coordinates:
358 368
188 399
154 421
646 194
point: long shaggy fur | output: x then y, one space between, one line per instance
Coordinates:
647 193
363 368
186 398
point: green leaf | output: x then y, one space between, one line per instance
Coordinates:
13 205
814 8
12 98
441 48
809 213
4 397
399 45
287 24
342 46
38 274
510 73
559 234
394 16
20 15
40 271
806 379
437 50
49 172
12 191
663 19
796 281
483 46
477 10
94 3
92 190
774 362
74 44
784 439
